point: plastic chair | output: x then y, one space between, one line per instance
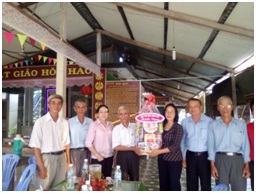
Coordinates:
220 187
25 178
10 162
32 160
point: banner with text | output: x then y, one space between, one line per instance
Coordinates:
44 76
123 93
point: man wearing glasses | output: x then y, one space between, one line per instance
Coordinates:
228 148
50 141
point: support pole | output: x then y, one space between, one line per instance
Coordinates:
234 97
61 67
98 53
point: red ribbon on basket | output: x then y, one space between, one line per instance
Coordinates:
150 98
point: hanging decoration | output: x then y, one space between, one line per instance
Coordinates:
32 41
22 38
50 60
24 23
173 53
9 37
21 63
42 46
173 49
86 90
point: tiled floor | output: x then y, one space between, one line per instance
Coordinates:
148 175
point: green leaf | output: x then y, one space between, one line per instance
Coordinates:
142 187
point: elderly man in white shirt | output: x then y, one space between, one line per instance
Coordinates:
50 141
123 141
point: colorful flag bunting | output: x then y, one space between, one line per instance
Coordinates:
54 61
21 63
50 60
32 41
45 58
22 38
26 62
9 37
42 46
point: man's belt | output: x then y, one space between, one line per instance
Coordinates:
79 148
229 153
197 153
55 153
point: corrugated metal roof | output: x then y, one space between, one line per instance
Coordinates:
211 39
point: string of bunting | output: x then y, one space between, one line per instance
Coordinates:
22 38
35 58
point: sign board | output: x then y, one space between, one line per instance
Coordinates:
123 93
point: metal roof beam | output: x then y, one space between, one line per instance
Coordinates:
186 18
162 51
156 74
167 67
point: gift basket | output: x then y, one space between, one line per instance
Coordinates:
149 126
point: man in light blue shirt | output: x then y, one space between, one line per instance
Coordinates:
194 147
78 128
228 147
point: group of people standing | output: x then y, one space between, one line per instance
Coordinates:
205 147
57 142
219 148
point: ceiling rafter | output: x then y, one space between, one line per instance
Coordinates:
126 23
226 13
162 51
26 4
167 67
168 86
170 93
186 18
157 89
159 75
86 14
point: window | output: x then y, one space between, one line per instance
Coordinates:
37 103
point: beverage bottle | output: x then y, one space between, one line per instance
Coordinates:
17 145
117 178
85 170
84 188
70 175
88 185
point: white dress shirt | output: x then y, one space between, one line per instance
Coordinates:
48 135
124 136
